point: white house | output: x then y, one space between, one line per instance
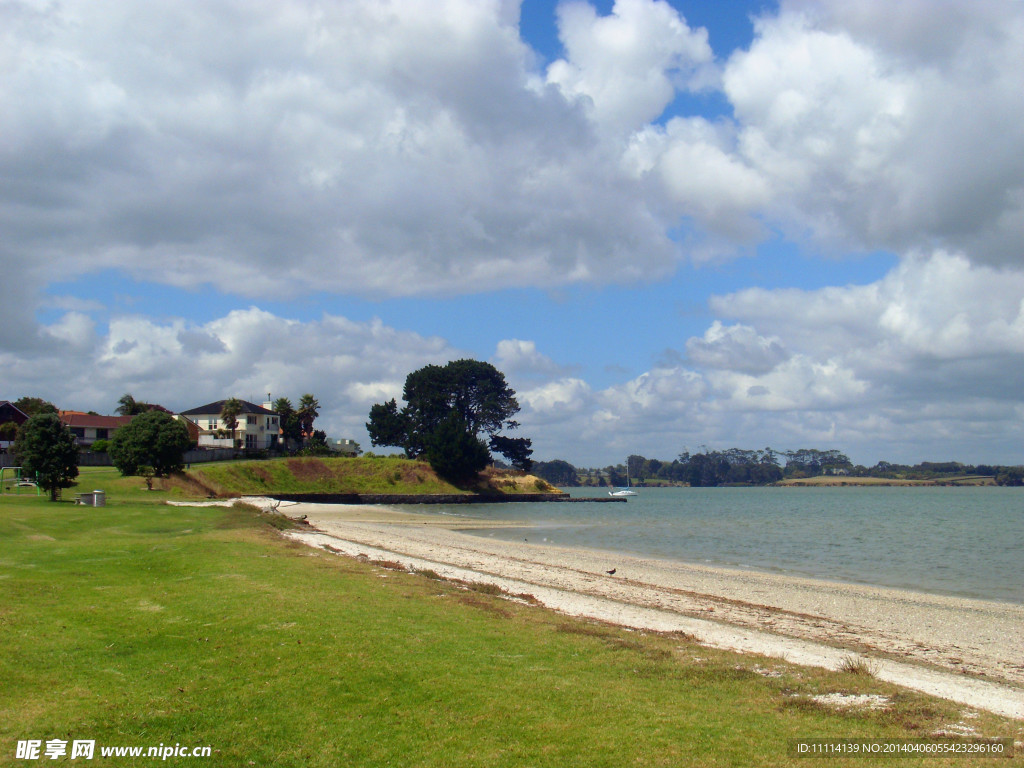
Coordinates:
344 446
258 427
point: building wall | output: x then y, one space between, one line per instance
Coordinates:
256 431
89 435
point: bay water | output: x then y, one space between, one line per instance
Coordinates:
966 542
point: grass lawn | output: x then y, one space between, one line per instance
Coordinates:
140 624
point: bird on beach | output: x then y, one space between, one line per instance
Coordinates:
611 572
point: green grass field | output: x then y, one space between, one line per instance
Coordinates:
140 624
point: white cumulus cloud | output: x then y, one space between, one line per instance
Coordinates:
875 131
627 66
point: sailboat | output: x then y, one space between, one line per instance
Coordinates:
627 491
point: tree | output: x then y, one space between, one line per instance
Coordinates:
454 452
229 414
155 439
557 472
46 448
616 475
31 406
810 462
129 406
317 445
291 428
516 449
308 410
387 426
1010 476
474 392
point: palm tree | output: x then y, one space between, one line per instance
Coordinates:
129 406
229 413
309 409
291 429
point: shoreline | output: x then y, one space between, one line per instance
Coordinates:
962 649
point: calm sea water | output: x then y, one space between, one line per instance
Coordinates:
955 541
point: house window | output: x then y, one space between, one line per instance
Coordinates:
78 432
102 434
250 441
250 419
212 424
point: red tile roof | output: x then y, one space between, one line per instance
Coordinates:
78 419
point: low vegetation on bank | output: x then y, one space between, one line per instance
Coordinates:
145 624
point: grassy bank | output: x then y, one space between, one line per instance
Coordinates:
142 624
349 475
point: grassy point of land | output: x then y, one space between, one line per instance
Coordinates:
369 475
141 623
350 475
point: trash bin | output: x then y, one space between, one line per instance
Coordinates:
99 498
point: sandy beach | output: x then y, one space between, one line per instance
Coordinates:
965 650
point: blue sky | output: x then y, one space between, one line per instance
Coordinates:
793 224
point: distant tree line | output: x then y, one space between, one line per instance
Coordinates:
737 466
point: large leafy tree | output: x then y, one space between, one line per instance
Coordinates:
454 452
389 426
31 406
466 395
153 439
46 448
516 449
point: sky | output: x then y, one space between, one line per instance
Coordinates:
672 225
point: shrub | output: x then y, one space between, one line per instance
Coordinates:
47 449
858 665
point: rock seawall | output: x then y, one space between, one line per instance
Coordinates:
437 498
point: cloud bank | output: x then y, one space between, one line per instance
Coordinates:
270 150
